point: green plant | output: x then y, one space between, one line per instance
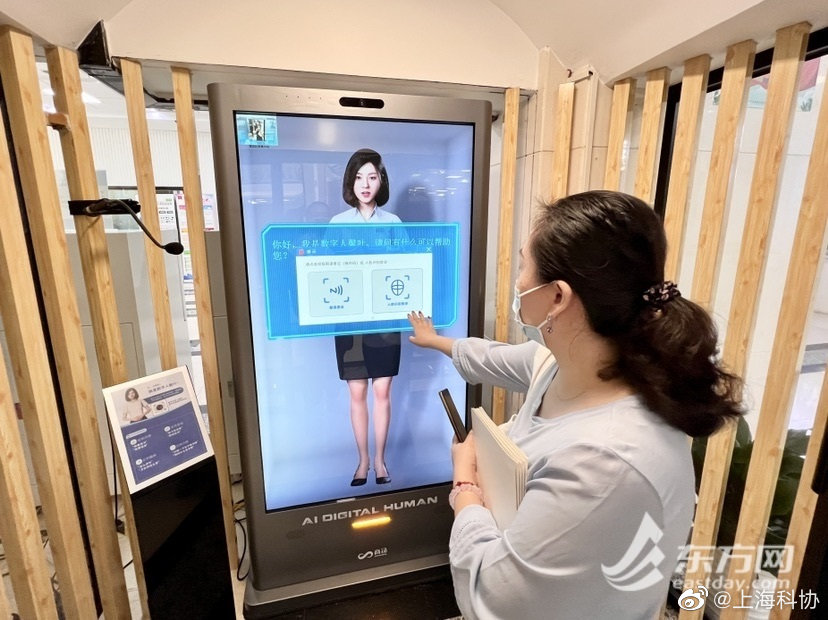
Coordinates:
790 471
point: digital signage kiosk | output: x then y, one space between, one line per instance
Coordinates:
339 214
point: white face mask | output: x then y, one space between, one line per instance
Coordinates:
532 332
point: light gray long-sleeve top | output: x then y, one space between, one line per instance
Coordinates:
608 505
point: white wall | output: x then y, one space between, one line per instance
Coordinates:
456 41
112 152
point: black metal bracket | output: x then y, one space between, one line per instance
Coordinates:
102 206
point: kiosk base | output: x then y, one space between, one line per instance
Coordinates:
181 536
409 590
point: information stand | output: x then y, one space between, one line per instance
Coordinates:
171 473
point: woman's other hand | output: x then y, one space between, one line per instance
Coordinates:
465 471
464 458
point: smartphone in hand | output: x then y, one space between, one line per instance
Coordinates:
454 417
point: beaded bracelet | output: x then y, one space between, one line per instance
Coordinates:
462 486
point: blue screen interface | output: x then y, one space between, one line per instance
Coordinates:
349 224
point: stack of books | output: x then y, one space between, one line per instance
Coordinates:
502 468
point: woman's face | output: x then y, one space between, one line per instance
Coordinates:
131 394
534 305
527 276
367 185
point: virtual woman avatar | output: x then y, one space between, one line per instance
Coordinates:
368 358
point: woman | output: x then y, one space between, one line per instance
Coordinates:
364 357
618 371
135 409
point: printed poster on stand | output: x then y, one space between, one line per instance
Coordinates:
157 426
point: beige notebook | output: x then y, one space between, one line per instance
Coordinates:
502 468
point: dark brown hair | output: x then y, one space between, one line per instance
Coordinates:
610 248
357 161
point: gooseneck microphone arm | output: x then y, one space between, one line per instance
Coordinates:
107 206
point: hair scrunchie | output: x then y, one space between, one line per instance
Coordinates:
660 294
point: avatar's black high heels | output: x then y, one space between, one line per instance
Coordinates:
357 481
383 479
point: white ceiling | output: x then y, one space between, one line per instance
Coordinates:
617 37
59 22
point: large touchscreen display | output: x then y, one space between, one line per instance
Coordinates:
350 224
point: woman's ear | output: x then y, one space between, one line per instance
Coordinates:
562 296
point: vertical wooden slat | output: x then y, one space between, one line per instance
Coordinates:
109 348
508 171
802 516
623 96
145 180
737 70
5 608
19 527
563 140
182 91
590 87
655 93
806 256
34 382
693 90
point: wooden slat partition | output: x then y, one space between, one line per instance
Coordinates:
109 348
563 140
25 337
182 91
655 93
145 180
504 291
806 256
737 70
776 121
19 527
623 98
693 91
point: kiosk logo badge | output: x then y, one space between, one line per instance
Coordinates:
374 553
630 573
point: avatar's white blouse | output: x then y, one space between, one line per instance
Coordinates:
353 216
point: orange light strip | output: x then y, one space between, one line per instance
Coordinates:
370 522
